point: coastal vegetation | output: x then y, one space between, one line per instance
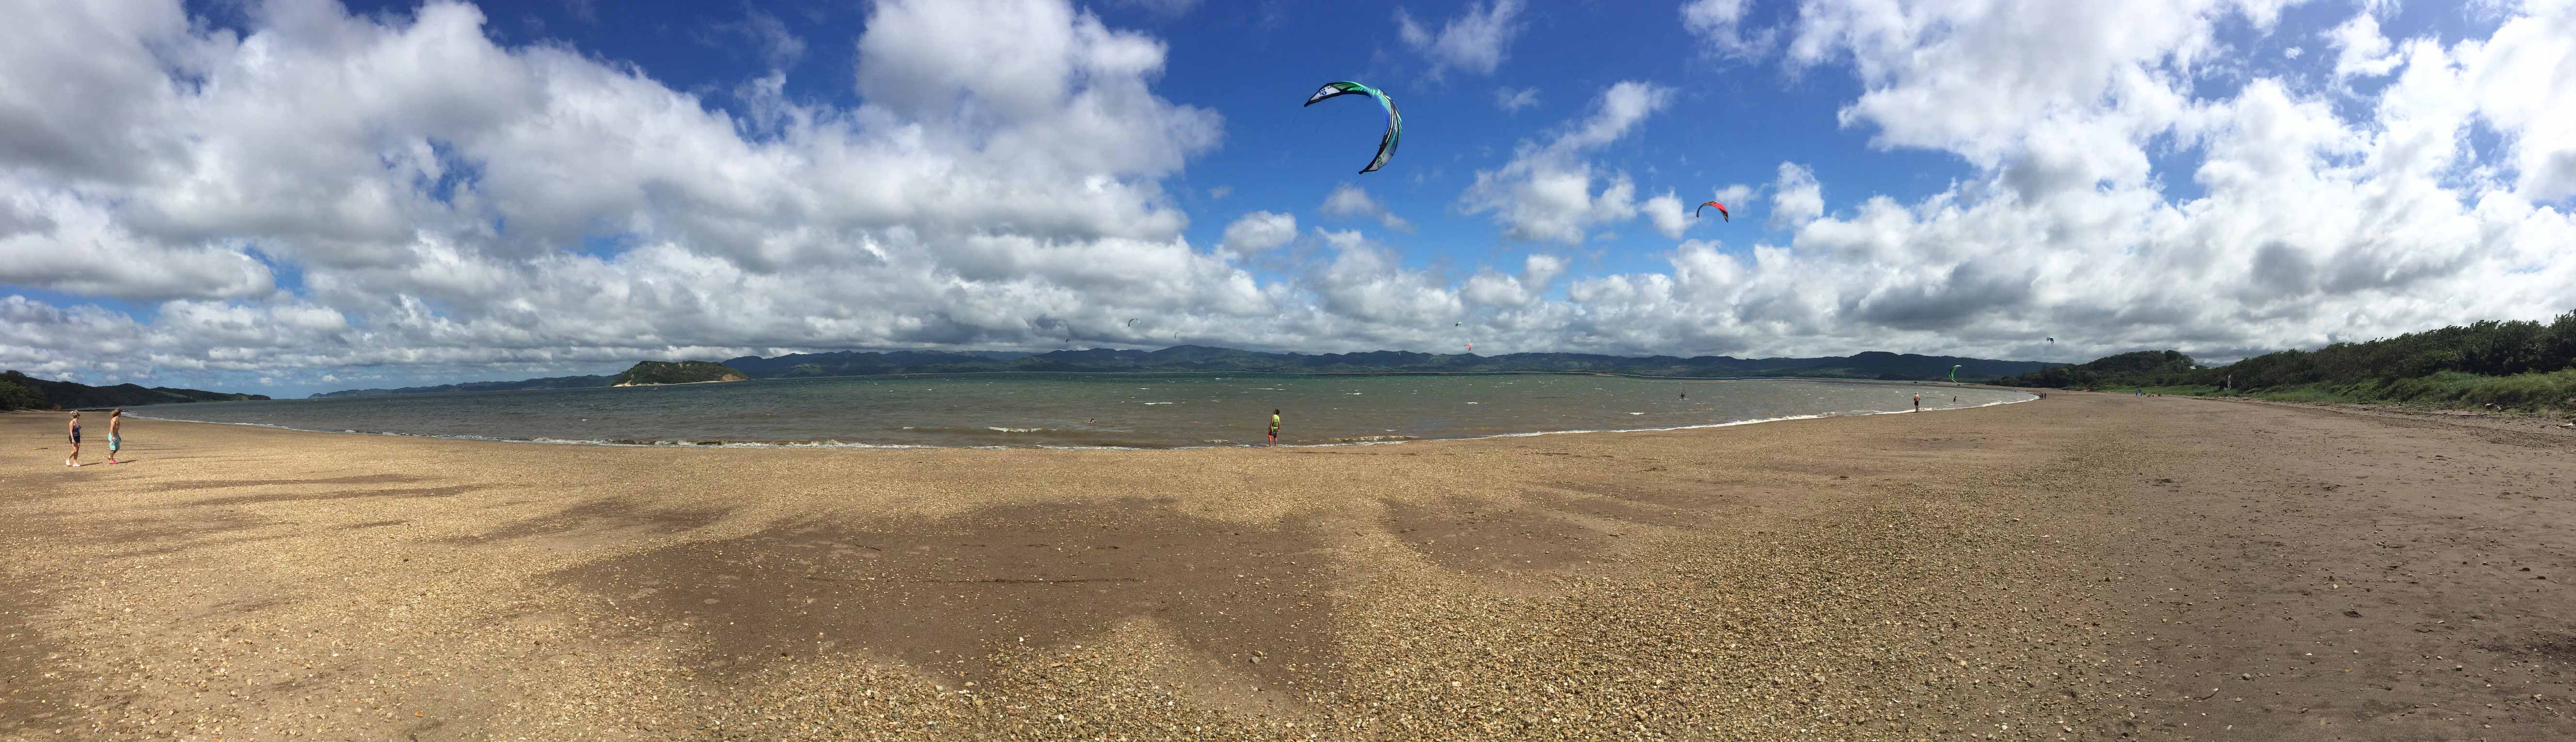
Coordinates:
41 394
2523 365
15 396
676 372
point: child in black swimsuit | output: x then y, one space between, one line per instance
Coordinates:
75 457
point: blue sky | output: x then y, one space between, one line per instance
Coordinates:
301 195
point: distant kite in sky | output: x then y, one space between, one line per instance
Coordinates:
1394 120
1131 322
1721 211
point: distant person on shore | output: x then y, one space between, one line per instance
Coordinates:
114 417
74 460
1274 427
1918 402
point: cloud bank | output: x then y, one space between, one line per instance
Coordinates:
399 196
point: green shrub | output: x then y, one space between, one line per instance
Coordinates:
17 397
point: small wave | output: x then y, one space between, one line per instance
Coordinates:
1376 439
1155 403
1016 430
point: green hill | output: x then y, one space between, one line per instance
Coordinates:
676 372
71 395
2524 365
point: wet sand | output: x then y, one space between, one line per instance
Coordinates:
2085 567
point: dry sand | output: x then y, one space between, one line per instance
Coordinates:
2084 567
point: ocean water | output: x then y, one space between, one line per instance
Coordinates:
1086 410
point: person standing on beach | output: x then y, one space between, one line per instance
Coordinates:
1918 402
75 457
113 442
1274 427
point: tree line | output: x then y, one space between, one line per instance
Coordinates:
2393 367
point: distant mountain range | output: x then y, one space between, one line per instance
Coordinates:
553 382
73 395
1868 365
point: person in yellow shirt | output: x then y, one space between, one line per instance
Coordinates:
1274 427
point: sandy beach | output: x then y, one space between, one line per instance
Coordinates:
2088 566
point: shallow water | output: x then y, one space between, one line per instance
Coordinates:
1086 410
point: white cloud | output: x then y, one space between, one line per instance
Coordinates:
1349 200
2524 82
1992 81
1512 99
2293 52
2359 49
1720 25
1258 231
431 186
1545 193
779 47
1796 197
1668 214
1365 281
1474 41
1493 289
56 240
1008 181
1220 192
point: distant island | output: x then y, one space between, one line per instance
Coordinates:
19 391
650 373
1873 365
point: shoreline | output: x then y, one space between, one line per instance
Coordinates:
844 445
